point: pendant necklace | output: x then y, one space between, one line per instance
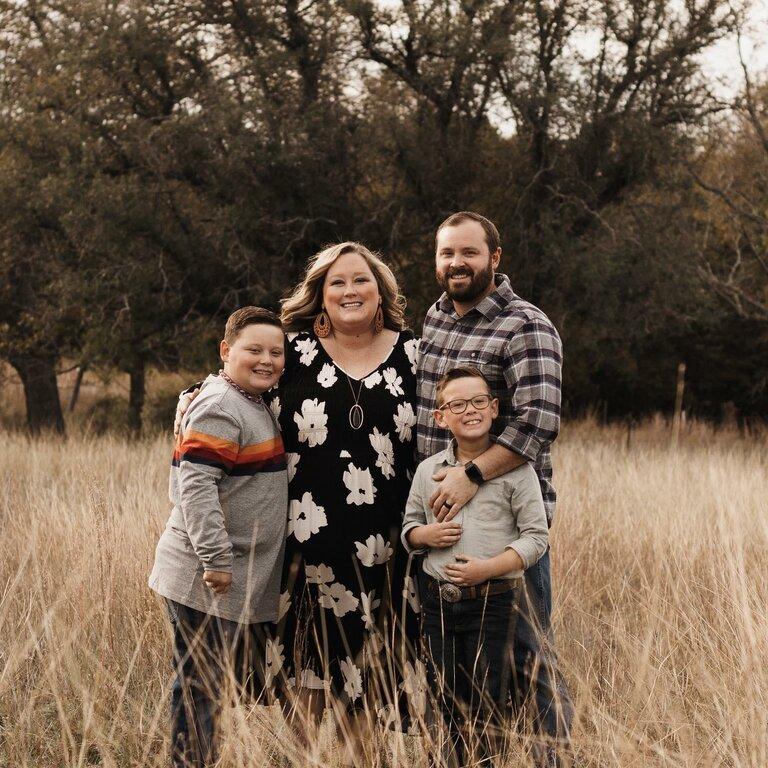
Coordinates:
356 414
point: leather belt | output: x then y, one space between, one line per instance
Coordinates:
452 593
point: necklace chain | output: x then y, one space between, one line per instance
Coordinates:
356 412
243 392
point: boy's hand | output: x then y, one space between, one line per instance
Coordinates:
440 535
468 571
218 581
185 400
454 491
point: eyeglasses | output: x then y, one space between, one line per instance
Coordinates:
480 402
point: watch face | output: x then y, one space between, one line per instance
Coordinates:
473 473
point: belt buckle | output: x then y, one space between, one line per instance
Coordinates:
450 593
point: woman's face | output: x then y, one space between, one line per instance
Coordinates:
351 294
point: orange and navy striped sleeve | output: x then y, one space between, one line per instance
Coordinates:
266 456
230 457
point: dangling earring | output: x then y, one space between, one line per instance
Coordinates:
378 321
322 325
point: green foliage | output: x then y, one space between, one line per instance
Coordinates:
163 163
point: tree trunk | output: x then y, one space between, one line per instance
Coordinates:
76 389
136 397
41 393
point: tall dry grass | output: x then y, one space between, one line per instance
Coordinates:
660 557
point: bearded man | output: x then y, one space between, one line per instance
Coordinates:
480 321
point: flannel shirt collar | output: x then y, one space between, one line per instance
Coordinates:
490 306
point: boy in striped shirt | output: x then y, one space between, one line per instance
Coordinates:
219 559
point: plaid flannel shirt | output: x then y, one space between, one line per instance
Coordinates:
518 349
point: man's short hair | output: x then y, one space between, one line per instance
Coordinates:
492 237
459 372
245 316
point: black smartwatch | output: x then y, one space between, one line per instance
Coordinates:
472 471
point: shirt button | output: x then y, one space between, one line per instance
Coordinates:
474 354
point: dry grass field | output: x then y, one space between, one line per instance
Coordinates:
660 556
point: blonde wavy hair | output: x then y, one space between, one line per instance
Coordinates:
300 309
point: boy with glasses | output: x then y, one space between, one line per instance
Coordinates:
473 566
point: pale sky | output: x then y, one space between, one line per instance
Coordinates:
722 60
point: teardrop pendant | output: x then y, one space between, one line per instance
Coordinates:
356 416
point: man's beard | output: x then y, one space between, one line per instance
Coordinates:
477 285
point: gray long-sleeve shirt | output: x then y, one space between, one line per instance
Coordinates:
507 512
229 488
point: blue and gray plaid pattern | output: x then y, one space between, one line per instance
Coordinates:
518 349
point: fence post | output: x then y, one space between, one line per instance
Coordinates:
677 419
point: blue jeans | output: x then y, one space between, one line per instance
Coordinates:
205 650
537 679
469 647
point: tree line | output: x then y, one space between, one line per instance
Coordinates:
164 162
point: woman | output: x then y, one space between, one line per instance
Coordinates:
346 410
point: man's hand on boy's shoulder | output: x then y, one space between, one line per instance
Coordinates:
218 581
455 489
185 400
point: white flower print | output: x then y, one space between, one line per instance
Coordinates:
312 423
353 680
409 592
319 574
310 679
368 604
385 459
393 381
308 350
283 605
275 407
337 597
412 350
415 686
375 551
327 376
273 661
404 421
360 485
372 380
305 517
292 460
345 455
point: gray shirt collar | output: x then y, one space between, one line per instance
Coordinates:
448 456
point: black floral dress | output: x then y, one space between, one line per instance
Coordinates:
348 609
